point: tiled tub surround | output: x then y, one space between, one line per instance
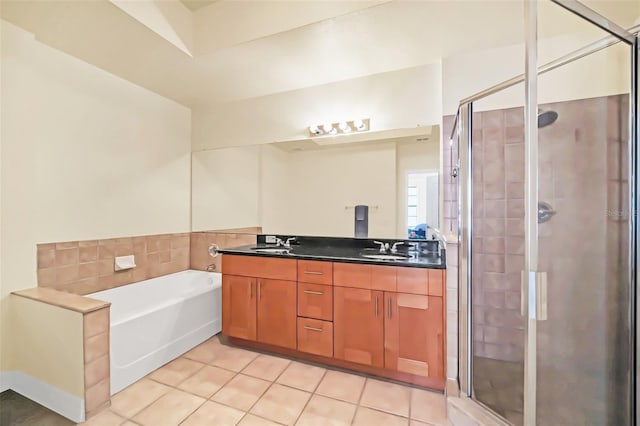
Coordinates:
216 384
84 267
91 318
224 238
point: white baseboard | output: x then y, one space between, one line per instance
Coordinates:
63 403
6 380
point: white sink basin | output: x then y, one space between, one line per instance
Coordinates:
272 250
385 256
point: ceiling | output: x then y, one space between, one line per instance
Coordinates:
246 49
194 5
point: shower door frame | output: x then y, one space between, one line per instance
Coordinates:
530 286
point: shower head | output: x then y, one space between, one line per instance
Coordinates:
546 118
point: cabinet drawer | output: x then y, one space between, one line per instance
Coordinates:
352 275
413 280
315 337
316 272
421 281
315 301
260 267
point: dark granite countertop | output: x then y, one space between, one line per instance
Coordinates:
348 250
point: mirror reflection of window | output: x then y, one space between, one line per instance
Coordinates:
422 202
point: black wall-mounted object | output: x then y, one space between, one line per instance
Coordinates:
361 221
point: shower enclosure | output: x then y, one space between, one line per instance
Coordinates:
547 193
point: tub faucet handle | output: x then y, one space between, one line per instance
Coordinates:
211 268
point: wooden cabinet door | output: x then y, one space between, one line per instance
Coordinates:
277 312
239 307
358 325
414 341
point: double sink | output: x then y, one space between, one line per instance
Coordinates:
366 253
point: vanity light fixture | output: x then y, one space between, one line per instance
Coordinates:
314 130
329 129
342 127
360 125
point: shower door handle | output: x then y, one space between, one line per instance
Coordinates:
540 292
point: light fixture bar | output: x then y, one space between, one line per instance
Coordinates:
339 128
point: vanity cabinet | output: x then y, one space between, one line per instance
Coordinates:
259 299
358 326
239 313
382 320
276 312
413 334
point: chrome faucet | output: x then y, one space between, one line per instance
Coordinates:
394 248
286 243
383 246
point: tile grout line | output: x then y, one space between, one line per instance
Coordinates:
310 397
272 382
410 405
359 400
170 386
247 412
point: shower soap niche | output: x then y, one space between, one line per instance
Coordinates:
123 263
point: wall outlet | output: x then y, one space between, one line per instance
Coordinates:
270 239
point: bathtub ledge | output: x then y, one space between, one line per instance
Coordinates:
62 299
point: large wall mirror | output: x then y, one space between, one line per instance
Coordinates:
311 186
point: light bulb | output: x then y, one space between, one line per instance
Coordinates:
344 126
359 125
314 130
328 128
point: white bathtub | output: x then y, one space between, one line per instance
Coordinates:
155 321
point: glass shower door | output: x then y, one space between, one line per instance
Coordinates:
497 250
582 339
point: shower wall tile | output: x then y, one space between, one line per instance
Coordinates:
515 190
578 155
494 208
515 209
493 245
514 117
514 134
515 227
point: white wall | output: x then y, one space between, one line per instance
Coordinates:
397 99
85 155
225 188
600 74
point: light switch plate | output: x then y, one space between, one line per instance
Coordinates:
270 239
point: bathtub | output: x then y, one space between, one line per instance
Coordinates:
155 321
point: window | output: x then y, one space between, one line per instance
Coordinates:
422 202
412 206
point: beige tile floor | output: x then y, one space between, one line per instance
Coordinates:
215 384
